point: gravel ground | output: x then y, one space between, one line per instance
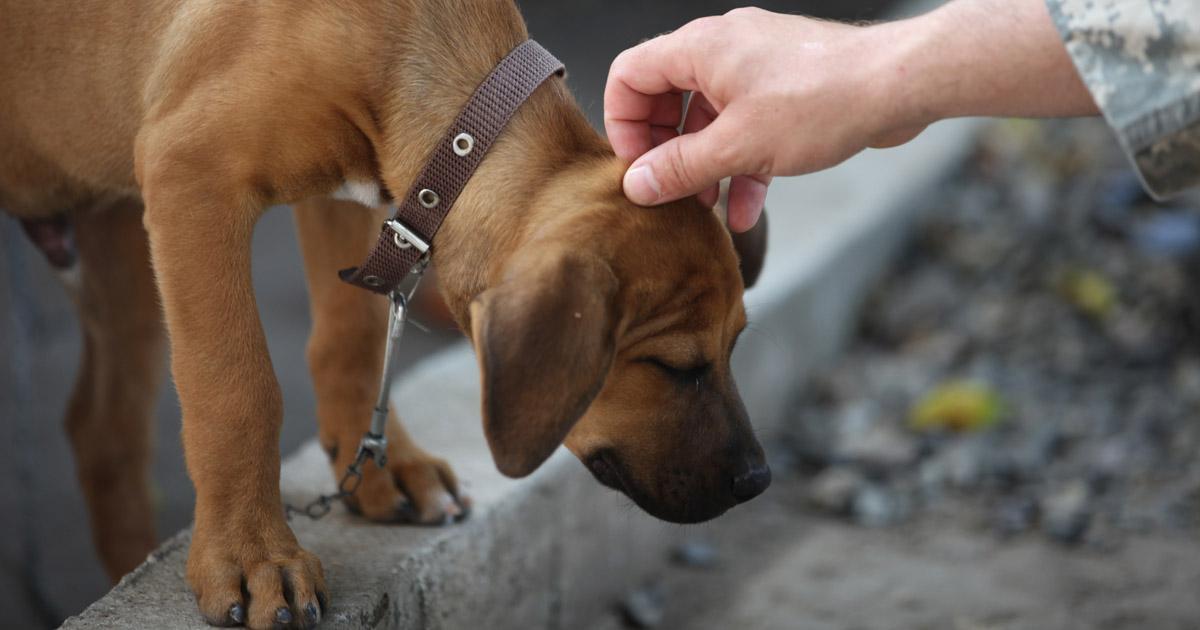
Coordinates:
1036 350
1011 440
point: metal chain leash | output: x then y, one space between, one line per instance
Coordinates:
373 445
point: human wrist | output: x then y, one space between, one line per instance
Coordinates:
983 58
904 79
916 87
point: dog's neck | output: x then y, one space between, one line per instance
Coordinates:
440 55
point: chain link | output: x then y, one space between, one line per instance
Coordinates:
321 506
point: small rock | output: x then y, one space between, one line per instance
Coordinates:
938 350
695 554
1169 234
880 447
1186 379
978 252
1108 461
834 489
931 477
811 436
643 608
1015 515
1066 514
1139 336
1045 446
1182 511
876 506
984 318
916 305
965 463
1122 189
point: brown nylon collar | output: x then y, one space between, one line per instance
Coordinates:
405 240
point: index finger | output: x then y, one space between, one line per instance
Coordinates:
637 81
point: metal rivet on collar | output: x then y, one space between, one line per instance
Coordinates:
463 144
400 241
428 198
372 281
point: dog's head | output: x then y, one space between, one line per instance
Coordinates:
611 331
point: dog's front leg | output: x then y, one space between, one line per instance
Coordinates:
245 565
345 354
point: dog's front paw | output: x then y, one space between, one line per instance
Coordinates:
256 577
415 488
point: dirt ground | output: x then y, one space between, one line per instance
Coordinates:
781 567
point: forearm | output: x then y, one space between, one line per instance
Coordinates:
982 58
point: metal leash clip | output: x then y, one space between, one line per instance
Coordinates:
373 445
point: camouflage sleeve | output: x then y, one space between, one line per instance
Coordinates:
1141 61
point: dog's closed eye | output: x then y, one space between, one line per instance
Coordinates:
686 375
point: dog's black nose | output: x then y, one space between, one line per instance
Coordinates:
751 483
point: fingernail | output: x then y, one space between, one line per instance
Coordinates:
641 186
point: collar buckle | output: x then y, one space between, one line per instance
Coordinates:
404 237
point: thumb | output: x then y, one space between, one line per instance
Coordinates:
684 166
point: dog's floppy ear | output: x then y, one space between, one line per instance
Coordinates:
545 340
751 247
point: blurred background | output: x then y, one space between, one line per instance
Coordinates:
1027 377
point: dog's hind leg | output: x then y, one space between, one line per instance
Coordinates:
345 354
109 418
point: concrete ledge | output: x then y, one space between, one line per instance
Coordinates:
555 550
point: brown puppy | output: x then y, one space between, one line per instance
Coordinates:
596 323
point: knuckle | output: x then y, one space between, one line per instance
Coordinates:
680 170
702 28
621 64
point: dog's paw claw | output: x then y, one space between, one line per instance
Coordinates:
274 586
431 486
420 489
283 617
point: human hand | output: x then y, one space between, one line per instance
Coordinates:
773 95
778 95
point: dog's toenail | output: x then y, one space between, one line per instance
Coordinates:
323 600
237 614
312 613
449 505
283 616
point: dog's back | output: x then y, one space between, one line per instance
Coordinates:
70 99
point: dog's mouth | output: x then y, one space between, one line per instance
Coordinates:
607 469
604 469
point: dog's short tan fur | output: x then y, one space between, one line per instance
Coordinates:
595 322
